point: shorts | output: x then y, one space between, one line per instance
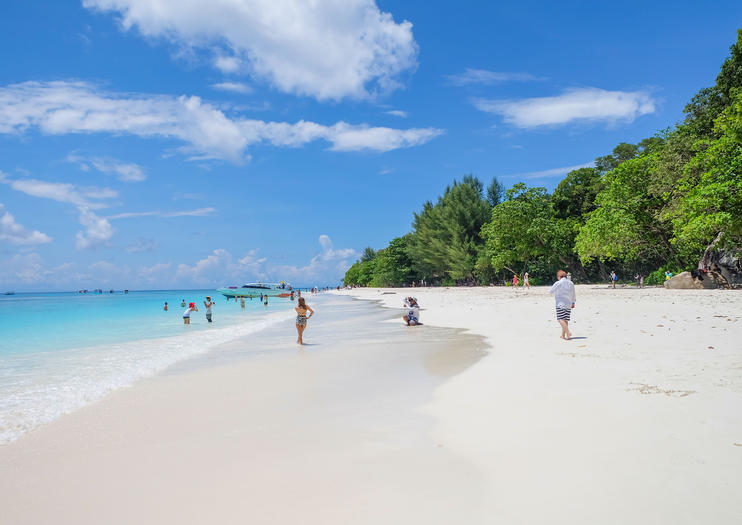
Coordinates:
412 319
563 313
208 317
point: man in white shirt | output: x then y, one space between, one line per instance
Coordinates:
564 293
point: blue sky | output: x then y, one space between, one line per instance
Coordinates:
219 142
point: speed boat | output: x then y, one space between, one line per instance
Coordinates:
281 289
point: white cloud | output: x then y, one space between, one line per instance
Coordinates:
198 212
124 171
220 267
22 268
553 172
345 137
485 77
141 245
97 229
15 233
234 87
585 104
227 64
60 191
78 107
328 49
157 274
397 113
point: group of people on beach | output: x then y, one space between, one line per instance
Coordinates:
191 307
563 290
303 312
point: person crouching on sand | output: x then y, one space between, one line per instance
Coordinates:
187 313
412 317
301 318
564 294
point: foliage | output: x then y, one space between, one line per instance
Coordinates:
712 187
495 192
393 266
368 254
446 240
625 226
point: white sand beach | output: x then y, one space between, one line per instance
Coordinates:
638 419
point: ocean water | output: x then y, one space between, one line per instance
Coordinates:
61 351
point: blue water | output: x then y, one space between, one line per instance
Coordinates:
60 351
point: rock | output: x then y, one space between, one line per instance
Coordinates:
724 265
684 281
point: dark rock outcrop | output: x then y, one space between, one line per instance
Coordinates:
724 264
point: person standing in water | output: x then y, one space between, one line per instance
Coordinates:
242 302
187 313
165 306
182 303
208 304
301 318
564 294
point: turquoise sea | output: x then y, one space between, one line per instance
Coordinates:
60 351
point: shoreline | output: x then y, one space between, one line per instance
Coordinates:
637 419
262 430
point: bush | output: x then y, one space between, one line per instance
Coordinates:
657 277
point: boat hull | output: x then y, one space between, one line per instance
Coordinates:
253 292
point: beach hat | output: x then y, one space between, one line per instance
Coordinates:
191 305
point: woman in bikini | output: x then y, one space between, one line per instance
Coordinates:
301 318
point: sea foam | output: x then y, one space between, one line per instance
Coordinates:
37 388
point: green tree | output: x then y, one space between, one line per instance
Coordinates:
495 192
523 233
393 266
625 225
446 239
711 189
575 195
368 254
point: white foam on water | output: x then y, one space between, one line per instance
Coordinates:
37 388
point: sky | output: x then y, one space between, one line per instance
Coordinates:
170 144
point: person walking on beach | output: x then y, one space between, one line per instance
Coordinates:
564 294
614 278
515 280
208 304
526 281
187 313
301 319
